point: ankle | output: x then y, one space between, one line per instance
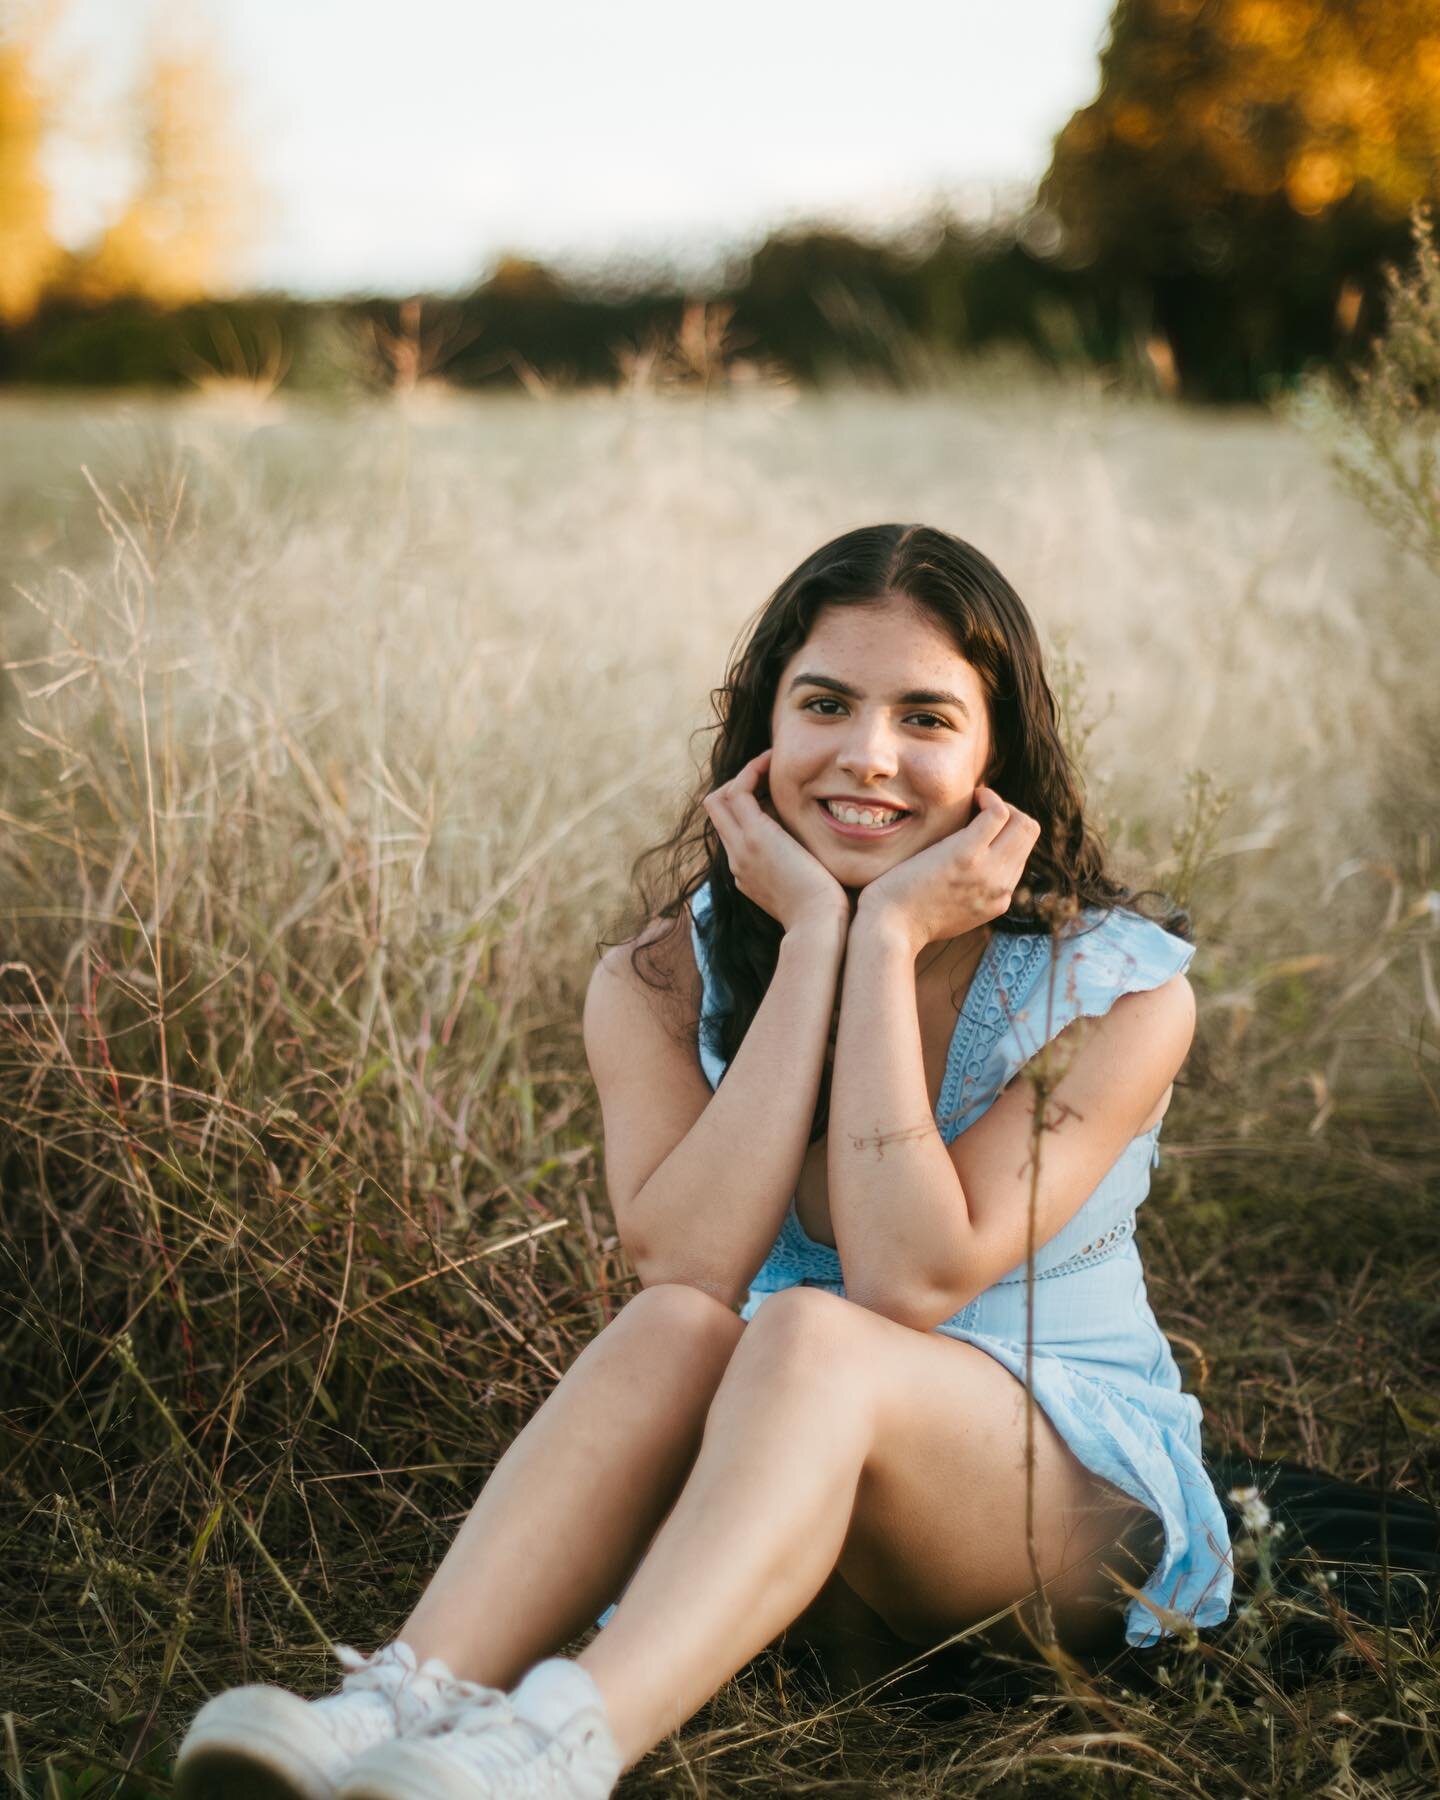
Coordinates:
630 1732
458 1660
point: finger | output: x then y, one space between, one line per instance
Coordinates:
1018 821
1016 840
1021 821
747 808
737 803
991 816
718 810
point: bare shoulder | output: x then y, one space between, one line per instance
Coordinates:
641 1043
1145 1039
621 999
1168 1008
664 949
1161 1018
1141 1043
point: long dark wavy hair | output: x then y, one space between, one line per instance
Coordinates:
968 597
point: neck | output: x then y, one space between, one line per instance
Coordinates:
953 956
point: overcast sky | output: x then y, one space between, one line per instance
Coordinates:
404 144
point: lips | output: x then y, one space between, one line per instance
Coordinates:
860 831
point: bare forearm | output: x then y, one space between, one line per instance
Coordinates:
710 1212
898 1211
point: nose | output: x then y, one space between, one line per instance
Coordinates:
869 751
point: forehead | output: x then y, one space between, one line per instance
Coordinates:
883 646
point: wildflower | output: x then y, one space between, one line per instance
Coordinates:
1254 1513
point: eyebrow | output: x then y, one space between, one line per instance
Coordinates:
915 697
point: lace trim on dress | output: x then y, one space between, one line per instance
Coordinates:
817 1262
1110 1240
1003 978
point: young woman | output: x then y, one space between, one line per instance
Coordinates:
895 1095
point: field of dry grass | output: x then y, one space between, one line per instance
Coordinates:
326 740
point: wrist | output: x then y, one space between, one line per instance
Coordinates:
886 924
829 930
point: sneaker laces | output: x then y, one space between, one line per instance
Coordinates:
386 1672
362 1712
439 1700
425 1698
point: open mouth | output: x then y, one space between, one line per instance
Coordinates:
862 822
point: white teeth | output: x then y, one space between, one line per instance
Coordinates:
854 815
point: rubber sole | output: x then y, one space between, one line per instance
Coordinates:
222 1772
251 1744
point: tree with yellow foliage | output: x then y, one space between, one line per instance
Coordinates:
1249 165
29 256
179 236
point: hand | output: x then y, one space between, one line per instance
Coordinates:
771 867
959 883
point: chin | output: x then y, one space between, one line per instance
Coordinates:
853 879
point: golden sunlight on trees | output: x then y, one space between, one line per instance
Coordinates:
1243 175
188 215
1212 107
29 256
178 237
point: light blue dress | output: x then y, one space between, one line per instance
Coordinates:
1103 1372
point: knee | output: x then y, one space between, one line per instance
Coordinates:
678 1314
806 1329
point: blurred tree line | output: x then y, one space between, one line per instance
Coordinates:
1216 221
174 239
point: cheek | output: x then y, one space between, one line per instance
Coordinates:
781 771
782 779
948 778
790 765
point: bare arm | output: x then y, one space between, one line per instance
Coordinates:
699 1181
922 1227
896 1207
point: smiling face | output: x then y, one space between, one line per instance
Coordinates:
877 707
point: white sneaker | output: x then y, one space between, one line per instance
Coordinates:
550 1740
265 1743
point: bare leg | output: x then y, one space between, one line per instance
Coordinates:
841 1441
752 1540
570 1507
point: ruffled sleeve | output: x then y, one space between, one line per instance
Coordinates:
1037 986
